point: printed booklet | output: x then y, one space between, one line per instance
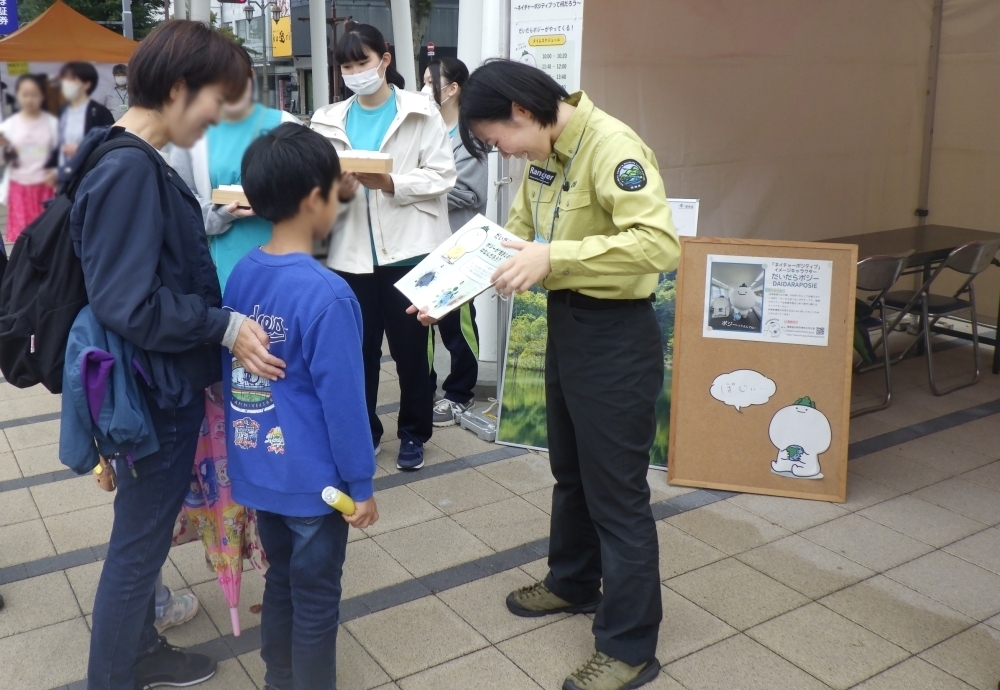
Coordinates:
458 270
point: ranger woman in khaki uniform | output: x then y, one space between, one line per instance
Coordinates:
597 233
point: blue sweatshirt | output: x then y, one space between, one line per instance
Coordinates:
290 439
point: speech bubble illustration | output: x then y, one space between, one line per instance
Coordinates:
742 388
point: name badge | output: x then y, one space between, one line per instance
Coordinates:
541 175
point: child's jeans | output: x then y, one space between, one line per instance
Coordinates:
301 599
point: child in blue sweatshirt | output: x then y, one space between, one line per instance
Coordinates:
288 439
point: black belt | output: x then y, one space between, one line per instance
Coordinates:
581 301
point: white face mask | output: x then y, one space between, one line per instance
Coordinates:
429 90
365 83
121 81
71 90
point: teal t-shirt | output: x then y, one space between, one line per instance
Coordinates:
227 142
366 128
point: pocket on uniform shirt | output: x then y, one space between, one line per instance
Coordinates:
571 201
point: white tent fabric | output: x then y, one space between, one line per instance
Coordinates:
803 119
965 163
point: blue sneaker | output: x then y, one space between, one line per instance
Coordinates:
411 455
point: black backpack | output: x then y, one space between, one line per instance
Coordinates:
43 289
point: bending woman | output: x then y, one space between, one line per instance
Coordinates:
596 232
392 222
141 240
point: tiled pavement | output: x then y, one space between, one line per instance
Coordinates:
897 588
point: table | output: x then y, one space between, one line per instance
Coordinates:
931 243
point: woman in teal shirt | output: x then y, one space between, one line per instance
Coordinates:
215 161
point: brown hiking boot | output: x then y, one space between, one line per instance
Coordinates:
536 600
603 672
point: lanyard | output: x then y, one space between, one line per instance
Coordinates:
118 92
563 188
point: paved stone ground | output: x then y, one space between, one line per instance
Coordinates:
897 588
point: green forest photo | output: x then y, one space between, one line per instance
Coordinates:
522 403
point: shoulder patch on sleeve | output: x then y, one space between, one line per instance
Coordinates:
630 176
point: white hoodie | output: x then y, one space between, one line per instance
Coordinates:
414 219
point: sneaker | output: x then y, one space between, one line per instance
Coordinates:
411 455
446 411
172 666
378 449
603 672
181 609
537 600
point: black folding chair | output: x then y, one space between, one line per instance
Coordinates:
878 274
970 259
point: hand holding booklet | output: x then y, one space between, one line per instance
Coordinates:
460 269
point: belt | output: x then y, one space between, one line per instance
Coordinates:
581 301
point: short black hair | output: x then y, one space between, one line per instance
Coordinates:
282 167
491 91
119 69
185 51
82 71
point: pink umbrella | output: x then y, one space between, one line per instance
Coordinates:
226 528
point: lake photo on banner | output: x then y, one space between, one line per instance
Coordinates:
522 396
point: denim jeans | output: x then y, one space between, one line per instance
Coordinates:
298 628
146 508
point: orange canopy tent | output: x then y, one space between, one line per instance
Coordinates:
61 34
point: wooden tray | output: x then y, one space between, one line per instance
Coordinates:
226 197
364 164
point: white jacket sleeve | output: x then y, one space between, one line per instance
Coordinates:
436 174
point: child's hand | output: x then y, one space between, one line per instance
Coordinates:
365 514
422 316
347 187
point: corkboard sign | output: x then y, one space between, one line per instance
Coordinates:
761 395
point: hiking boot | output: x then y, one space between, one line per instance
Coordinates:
603 672
411 455
179 610
446 411
173 667
537 600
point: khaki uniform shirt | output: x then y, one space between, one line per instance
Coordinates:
599 200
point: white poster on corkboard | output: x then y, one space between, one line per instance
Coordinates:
761 386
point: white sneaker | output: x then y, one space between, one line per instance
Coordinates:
446 411
378 449
181 609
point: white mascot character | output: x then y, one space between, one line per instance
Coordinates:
801 433
743 300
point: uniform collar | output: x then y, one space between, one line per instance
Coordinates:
567 142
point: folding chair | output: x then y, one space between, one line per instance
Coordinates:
878 274
970 259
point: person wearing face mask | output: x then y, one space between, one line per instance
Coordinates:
215 160
117 100
443 80
140 236
391 222
77 81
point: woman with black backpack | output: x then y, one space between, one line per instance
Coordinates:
140 236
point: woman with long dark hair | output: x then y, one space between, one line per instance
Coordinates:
596 233
389 222
443 81
140 236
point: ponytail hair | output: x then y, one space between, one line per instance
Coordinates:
452 69
351 48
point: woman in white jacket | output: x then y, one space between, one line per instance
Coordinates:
392 222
